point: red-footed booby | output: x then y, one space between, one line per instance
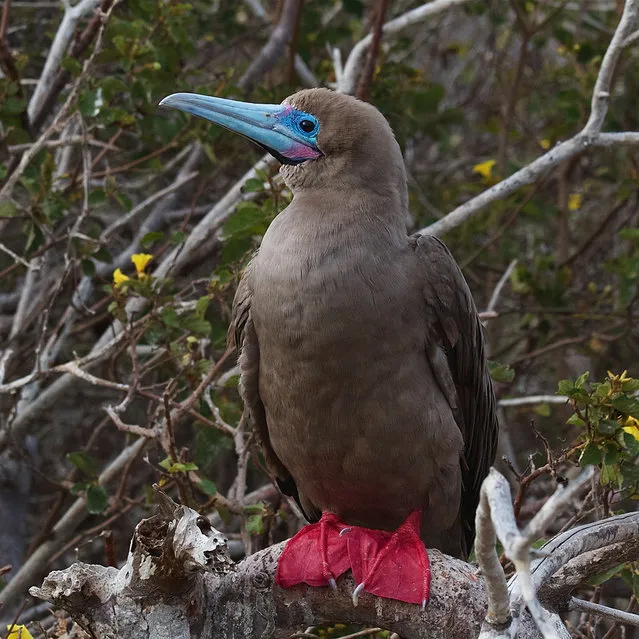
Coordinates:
361 352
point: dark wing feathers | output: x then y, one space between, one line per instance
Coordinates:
241 334
455 319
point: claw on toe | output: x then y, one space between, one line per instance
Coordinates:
356 594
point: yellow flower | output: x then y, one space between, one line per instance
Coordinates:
119 278
141 260
544 144
18 632
631 426
485 169
574 201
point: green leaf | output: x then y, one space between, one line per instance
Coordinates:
629 234
170 317
610 474
201 305
97 197
103 255
630 385
248 217
225 514
500 372
196 325
207 486
565 387
627 405
84 462
88 267
72 65
581 380
631 443
97 499
543 409
575 420
150 238
254 509
252 185
8 208
255 525
13 105
609 574
608 426
177 467
79 487
90 102
178 237
591 454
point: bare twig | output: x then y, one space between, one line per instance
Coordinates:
589 137
495 517
419 14
274 49
531 400
368 72
61 115
76 514
500 285
64 33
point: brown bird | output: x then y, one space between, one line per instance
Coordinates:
361 352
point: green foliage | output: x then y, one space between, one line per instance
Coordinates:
607 414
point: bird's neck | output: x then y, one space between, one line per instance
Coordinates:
355 210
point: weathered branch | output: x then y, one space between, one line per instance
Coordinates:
68 523
274 49
348 81
166 580
61 115
177 566
496 518
588 138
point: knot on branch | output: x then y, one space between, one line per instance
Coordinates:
174 545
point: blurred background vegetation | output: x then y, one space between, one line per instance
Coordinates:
136 221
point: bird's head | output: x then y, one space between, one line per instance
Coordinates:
320 136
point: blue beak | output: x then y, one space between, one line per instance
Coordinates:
286 133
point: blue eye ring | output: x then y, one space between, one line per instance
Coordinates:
307 124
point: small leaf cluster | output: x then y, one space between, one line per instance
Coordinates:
608 414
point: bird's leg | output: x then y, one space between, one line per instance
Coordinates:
394 565
317 555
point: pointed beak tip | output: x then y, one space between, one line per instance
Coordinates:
166 101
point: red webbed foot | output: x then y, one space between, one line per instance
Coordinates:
317 555
394 565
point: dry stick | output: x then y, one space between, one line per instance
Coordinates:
495 516
293 45
60 117
69 522
175 259
419 14
604 611
53 78
589 137
67 141
304 73
8 62
494 298
366 78
274 48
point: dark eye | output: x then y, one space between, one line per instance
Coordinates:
307 125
